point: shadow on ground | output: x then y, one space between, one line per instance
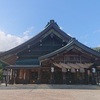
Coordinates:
51 86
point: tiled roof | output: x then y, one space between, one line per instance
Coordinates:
51 25
67 47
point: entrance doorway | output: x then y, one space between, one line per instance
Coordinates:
75 78
34 77
45 77
58 77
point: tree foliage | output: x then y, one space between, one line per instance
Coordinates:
97 49
1 71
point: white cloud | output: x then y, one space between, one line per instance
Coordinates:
98 46
97 31
28 31
8 41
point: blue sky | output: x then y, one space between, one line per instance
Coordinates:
22 19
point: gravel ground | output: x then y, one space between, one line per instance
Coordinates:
49 94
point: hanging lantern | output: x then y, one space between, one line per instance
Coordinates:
93 70
52 69
17 57
68 70
77 70
29 50
28 46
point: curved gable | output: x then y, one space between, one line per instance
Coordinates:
73 44
52 27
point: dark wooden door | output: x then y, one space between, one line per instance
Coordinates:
45 77
58 77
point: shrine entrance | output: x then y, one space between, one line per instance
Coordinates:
58 77
45 76
75 78
34 77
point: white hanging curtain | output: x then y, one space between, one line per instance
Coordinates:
82 70
65 65
58 65
73 70
74 65
85 65
64 70
88 64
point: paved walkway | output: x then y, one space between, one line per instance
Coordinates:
49 94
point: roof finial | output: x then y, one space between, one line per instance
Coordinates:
51 22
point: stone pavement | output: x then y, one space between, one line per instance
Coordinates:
49 94
49 86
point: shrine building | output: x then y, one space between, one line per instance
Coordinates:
52 57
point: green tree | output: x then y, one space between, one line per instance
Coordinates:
97 49
1 71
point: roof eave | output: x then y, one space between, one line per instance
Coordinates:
73 42
25 44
